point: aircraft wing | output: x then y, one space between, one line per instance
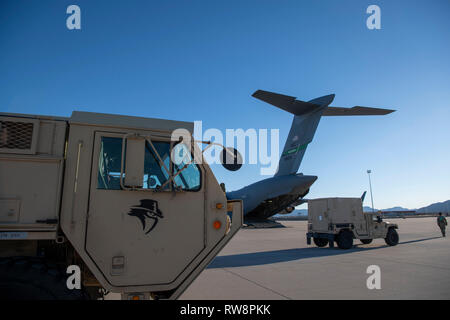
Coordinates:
355 111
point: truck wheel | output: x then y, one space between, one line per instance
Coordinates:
25 278
320 242
391 237
366 241
345 239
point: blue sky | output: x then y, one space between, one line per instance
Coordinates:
202 60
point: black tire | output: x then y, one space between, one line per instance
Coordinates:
366 241
345 239
391 237
25 278
320 242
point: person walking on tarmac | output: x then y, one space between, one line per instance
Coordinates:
442 223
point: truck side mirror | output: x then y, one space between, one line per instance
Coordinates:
134 161
231 159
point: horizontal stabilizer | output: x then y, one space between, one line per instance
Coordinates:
355 111
287 103
298 107
306 119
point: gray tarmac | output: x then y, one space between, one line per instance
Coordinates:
278 264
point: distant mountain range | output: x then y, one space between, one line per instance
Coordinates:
443 207
369 209
436 207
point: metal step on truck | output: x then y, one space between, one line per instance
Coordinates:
124 203
341 220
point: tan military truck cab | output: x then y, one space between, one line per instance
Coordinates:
104 193
341 220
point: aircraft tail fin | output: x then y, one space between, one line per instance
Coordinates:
363 196
301 134
306 119
304 125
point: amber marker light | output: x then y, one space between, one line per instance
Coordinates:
217 224
219 205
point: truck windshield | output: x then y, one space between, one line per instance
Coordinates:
154 174
189 178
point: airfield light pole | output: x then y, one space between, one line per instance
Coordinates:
370 185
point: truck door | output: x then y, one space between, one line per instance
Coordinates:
360 219
370 224
126 232
378 227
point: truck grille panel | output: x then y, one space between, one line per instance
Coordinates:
16 135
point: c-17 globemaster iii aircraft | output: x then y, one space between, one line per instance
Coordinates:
287 188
